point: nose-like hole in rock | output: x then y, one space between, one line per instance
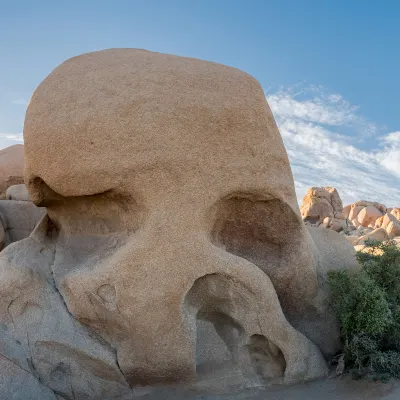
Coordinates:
218 337
225 351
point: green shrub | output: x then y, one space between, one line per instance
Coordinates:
367 304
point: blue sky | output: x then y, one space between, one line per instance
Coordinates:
330 70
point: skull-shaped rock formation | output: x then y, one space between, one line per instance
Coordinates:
166 185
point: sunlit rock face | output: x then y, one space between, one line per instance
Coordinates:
173 251
322 207
11 167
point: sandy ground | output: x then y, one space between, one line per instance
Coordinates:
342 388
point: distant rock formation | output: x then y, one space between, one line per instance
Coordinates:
360 221
323 207
11 167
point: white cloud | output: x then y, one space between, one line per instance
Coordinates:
390 157
21 102
330 110
323 136
18 137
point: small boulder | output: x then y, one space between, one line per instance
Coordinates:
377 234
395 212
368 215
355 209
18 192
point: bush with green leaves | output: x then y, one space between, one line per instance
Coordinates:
367 304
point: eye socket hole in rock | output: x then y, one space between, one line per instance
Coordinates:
254 228
219 302
95 214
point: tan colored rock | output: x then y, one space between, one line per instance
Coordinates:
346 211
332 252
336 201
352 239
174 224
355 209
11 167
379 222
377 234
393 228
194 143
364 203
390 223
396 213
335 224
320 203
368 215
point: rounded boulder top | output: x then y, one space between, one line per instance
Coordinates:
99 116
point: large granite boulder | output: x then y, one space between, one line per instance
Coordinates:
162 259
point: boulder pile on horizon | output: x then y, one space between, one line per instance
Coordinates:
363 220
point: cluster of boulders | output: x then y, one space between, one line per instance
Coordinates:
322 207
18 215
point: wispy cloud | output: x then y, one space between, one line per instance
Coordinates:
18 137
21 102
323 134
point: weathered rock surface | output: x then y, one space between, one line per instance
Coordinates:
320 203
358 221
322 207
379 234
395 212
17 192
368 215
162 259
390 223
11 167
18 219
